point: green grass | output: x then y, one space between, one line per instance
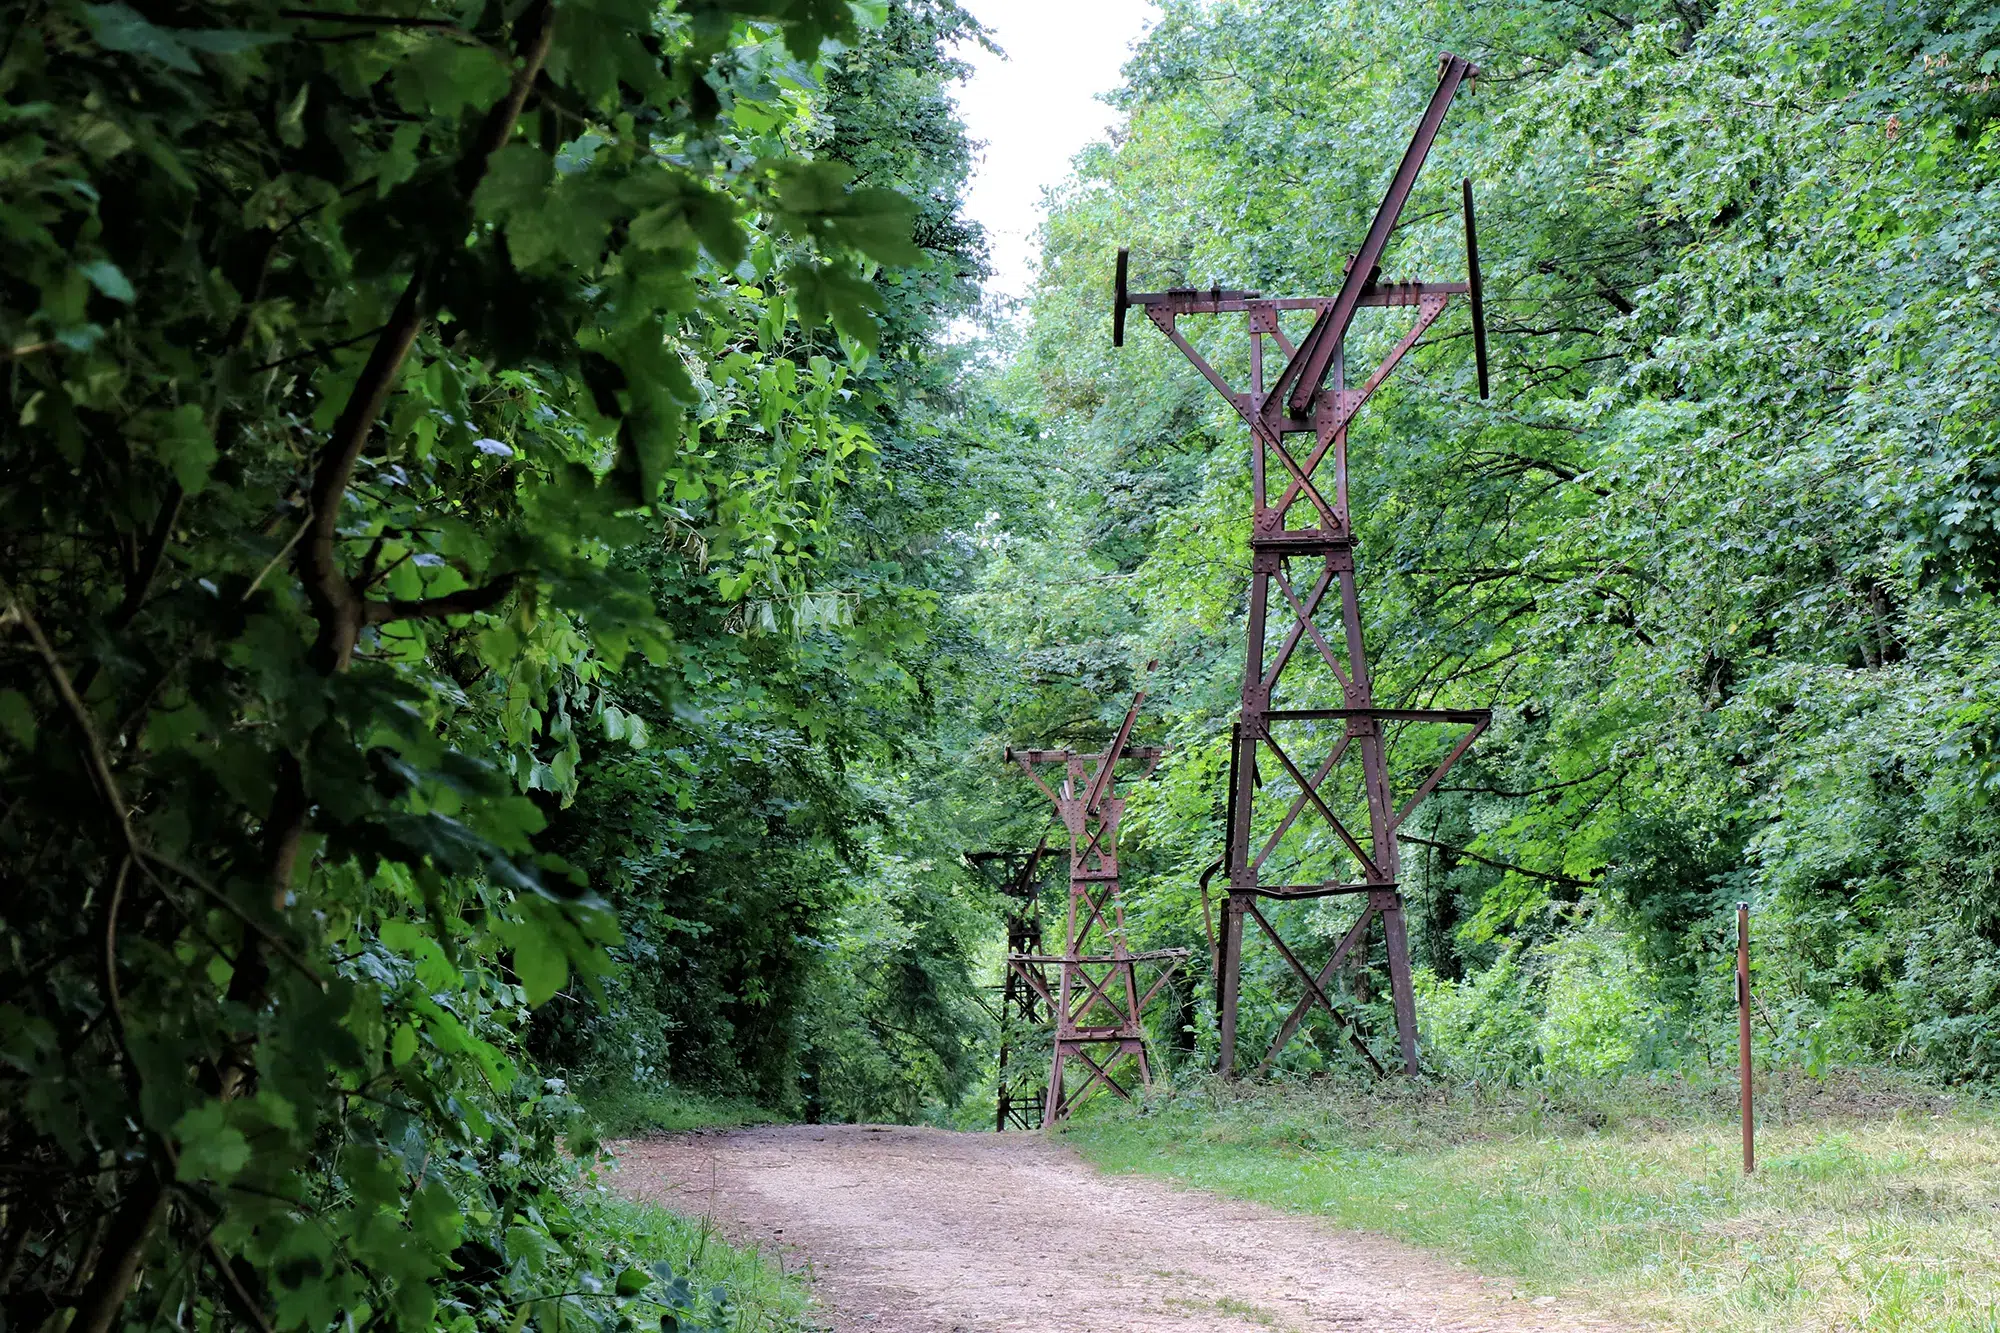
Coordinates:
1875 1206
624 1110
762 1296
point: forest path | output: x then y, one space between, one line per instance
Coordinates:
910 1230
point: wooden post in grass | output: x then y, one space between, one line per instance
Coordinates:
1743 1034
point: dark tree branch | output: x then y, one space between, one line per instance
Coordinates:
1564 880
461 603
336 603
317 349
1533 791
150 556
368 20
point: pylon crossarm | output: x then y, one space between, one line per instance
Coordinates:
1197 300
1286 893
1467 716
1149 956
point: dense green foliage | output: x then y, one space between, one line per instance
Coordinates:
418 416
1719 551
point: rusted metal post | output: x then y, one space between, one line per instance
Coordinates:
1746 1091
1302 574
1097 1002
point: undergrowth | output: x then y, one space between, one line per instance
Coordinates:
727 1289
623 1110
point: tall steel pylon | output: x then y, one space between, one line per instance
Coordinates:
1097 1002
1310 397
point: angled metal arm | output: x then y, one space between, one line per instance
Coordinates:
1306 372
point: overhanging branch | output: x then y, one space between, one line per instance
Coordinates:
464 602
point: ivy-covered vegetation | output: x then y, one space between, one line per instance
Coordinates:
515 572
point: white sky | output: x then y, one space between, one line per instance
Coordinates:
1036 110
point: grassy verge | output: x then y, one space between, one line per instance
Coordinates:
736 1290
1875 1207
625 1110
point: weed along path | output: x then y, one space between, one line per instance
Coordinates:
909 1230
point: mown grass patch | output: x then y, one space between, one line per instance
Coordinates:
1875 1206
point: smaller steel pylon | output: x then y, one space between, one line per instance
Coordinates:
1017 1094
1097 1003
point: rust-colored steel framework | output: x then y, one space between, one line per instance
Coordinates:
1018 1099
1294 568
1097 1002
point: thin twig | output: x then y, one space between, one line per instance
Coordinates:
283 551
246 1305
368 20
114 1003
461 603
229 905
142 855
100 767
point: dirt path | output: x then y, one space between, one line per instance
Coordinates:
923 1231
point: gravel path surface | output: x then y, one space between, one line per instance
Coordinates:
909 1230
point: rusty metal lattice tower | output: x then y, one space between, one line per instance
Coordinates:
1310 397
1018 1099
1097 1002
